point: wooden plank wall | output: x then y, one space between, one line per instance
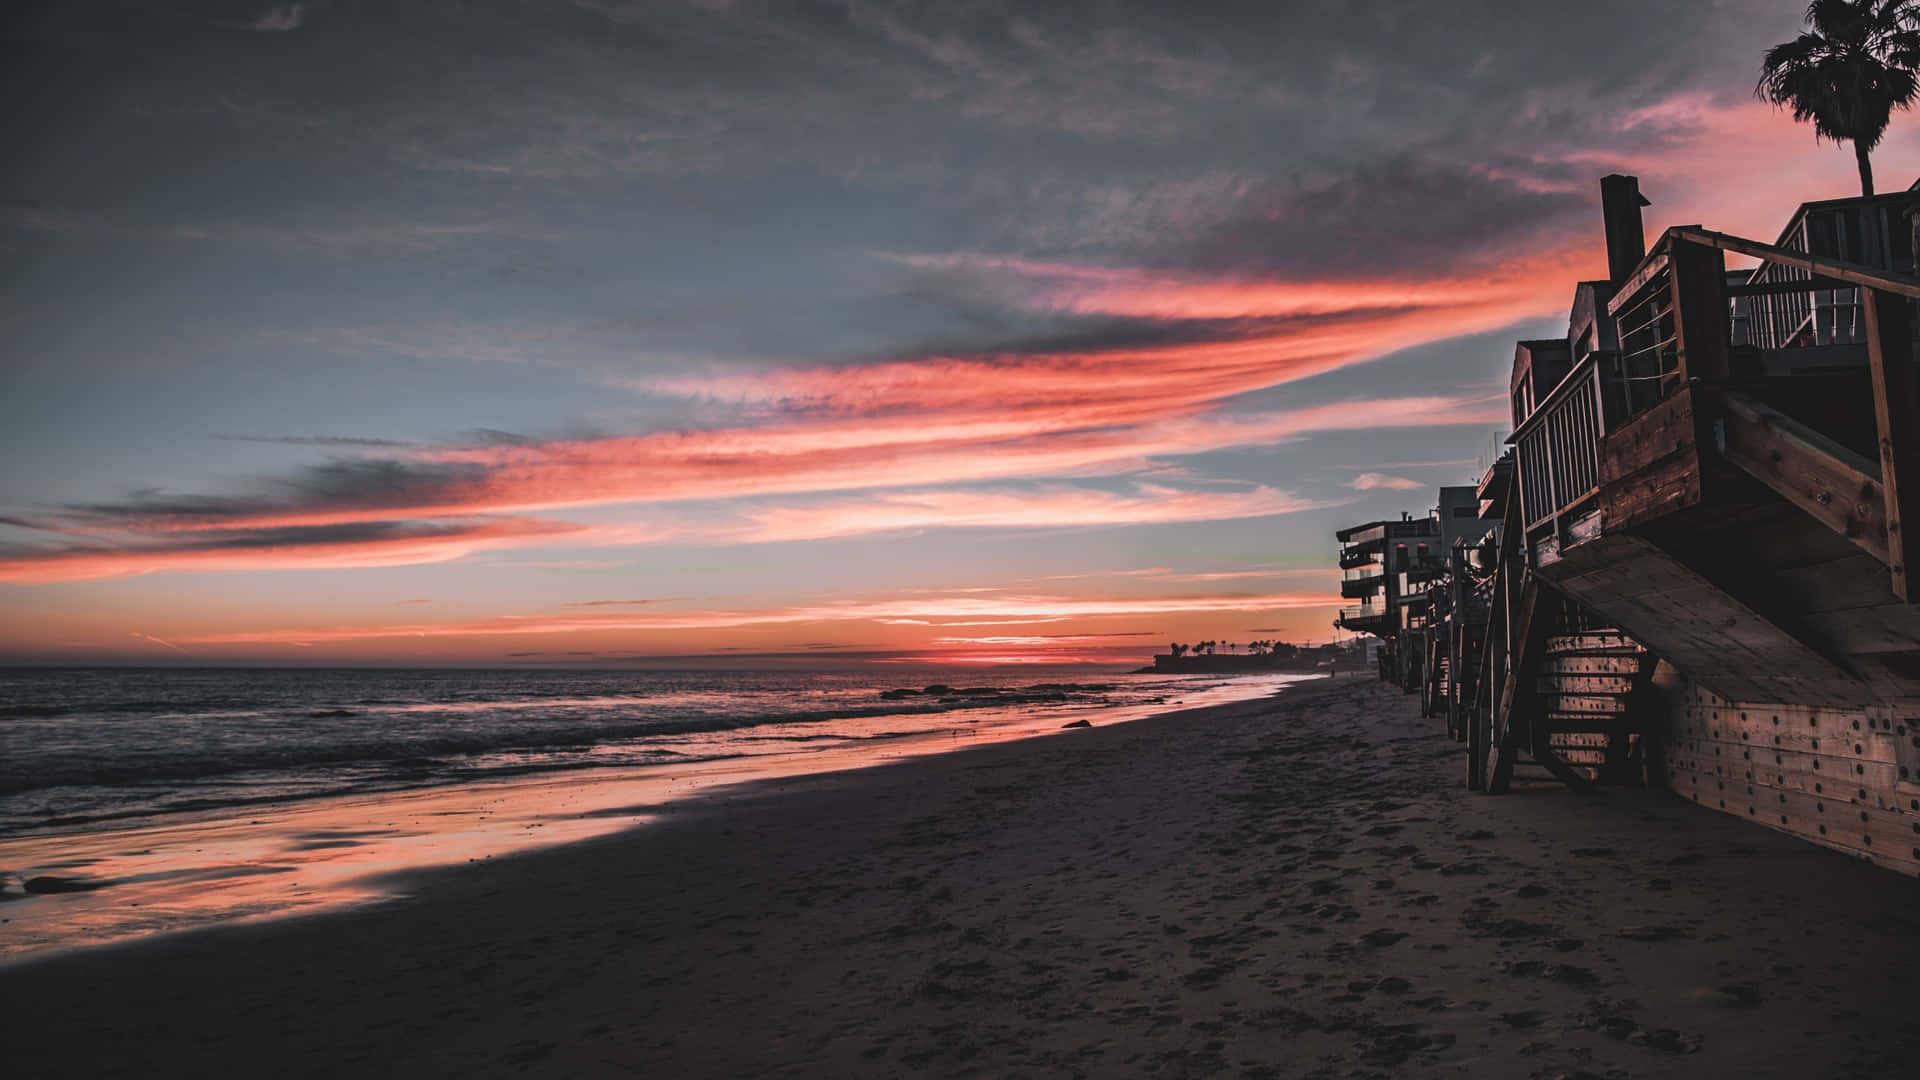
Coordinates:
1843 778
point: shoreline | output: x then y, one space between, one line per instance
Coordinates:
179 873
1292 886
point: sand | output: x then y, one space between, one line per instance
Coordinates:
1292 887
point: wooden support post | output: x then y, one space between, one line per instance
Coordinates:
1506 742
1436 651
1479 716
1700 321
1500 768
1896 408
1456 629
1515 699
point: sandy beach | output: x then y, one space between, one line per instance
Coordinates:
1297 886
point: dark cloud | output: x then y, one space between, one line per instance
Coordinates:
614 603
361 484
1399 216
342 535
286 539
1117 334
27 523
315 440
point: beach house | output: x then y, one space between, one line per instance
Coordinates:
1704 580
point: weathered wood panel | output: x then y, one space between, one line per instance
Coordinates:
1596 644
1697 626
1844 778
1591 665
1650 467
1553 682
1817 474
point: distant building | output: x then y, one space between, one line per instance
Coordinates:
1388 566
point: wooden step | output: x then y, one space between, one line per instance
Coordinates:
1607 644
1590 685
1585 703
1581 664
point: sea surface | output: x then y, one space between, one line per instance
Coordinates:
143 802
82 749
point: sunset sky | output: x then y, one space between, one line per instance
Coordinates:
550 332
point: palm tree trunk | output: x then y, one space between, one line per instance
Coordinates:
1866 168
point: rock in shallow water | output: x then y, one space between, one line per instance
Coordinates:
1077 723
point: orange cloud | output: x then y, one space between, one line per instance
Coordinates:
961 609
895 432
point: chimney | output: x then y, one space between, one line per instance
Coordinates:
1620 203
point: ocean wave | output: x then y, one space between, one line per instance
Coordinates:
368 741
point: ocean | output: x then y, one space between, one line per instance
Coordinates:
168 800
83 748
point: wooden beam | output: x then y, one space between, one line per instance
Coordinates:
1851 273
1788 287
1516 696
1700 324
1548 756
1838 487
1896 408
1649 269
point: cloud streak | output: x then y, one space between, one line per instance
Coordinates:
459 501
964 609
1371 481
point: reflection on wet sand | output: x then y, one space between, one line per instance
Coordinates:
188 872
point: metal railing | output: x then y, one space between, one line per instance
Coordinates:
1558 447
1648 367
1357 556
1350 614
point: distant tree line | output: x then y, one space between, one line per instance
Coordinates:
1257 648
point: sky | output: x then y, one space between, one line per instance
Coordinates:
488 332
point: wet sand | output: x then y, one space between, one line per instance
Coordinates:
1291 887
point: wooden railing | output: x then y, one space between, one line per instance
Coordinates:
1792 306
1558 447
1703 357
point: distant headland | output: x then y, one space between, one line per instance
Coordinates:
1205 657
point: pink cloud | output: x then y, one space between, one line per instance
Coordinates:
1057 506
1369 481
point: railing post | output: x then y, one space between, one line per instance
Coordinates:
1896 408
1701 328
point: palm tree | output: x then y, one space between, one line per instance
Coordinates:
1854 65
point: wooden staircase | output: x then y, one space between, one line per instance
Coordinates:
1567 696
1588 686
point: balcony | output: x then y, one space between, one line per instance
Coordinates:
1357 556
1358 588
1722 486
1365 619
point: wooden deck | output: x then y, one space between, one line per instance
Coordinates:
1701 577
